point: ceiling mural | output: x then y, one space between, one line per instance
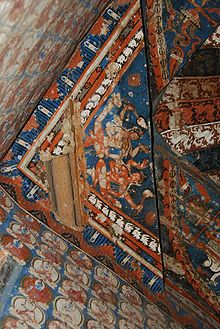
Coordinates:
36 40
120 159
175 30
190 107
106 76
186 148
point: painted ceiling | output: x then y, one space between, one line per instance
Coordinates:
141 93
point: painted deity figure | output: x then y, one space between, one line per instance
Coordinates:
48 252
77 274
106 277
115 182
45 270
104 293
11 323
73 291
80 259
55 241
101 311
131 295
36 289
23 233
67 311
16 248
28 311
131 312
115 136
116 147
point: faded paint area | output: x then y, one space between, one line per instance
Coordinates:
147 152
36 40
175 30
46 282
186 132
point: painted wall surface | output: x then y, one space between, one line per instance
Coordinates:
186 132
36 40
107 75
46 282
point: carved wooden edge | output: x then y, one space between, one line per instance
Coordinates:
78 162
66 176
